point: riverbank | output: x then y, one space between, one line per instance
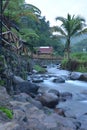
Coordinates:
30 113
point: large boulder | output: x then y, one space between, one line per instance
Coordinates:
48 99
65 96
37 80
75 75
4 97
83 77
78 76
59 80
4 105
10 126
56 92
26 87
43 89
28 116
23 97
17 79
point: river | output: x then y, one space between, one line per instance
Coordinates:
77 106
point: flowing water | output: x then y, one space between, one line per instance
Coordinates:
78 104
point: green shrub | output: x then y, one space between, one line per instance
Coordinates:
78 62
70 65
7 111
39 69
64 63
2 82
81 68
79 56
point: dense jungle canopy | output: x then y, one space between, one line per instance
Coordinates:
27 23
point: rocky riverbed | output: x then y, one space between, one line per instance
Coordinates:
51 101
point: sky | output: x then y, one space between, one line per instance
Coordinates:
54 8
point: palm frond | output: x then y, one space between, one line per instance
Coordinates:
83 31
31 8
59 29
62 19
80 18
78 25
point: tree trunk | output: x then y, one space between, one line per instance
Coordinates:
68 49
0 26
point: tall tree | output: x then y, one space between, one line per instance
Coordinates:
31 39
43 30
5 4
19 14
70 26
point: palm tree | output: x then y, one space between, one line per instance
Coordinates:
71 26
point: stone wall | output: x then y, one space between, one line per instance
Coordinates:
46 61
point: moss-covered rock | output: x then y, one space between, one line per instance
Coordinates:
7 111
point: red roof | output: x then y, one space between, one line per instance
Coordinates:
45 50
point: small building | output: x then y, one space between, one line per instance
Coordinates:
47 50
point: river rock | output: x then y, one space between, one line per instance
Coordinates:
43 89
34 71
3 117
48 99
59 111
44 66
59 80
75 75
26 116
84 92
37 80
4 102
26 87
63 123
83 121
23 97
17 79
4 97
58 66
83 77
56 92
65 96
10 126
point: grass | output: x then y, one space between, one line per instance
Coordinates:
39 69
7 111
79 56
78 62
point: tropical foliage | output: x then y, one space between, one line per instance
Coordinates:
26 22
36 31
70 27
78 62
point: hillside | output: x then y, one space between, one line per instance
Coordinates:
80 46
